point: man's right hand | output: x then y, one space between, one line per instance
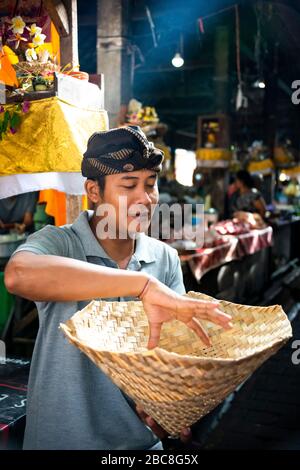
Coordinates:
161 305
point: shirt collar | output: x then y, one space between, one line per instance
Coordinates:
92 247
143 250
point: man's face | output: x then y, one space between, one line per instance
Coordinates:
132 197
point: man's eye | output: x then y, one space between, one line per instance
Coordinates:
128 187
151 186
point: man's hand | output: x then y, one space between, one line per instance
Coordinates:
161 305
20 228
185 435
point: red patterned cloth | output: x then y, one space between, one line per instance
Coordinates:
256 240
236 247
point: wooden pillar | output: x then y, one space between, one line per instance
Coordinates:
74 207
114 54
221 69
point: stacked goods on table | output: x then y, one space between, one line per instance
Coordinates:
242 222
231 227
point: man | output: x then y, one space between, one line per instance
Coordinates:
16 212
71 403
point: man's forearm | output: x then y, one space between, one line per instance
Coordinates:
54 278
8 226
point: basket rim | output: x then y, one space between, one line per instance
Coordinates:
205 297
165 354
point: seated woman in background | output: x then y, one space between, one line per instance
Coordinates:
246 198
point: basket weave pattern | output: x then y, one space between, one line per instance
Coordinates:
181 380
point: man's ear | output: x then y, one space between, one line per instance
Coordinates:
92 191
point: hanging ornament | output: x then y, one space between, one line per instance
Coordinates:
201 25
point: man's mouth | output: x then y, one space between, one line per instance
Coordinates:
139 215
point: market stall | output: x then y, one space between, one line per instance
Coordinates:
233 262
48 110
234 247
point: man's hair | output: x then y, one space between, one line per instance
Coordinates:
101 183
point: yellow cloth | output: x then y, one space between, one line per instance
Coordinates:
282 156
264 165
213 154
292 171
52 137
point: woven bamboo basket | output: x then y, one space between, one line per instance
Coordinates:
181 380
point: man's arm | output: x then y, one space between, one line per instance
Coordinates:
60 279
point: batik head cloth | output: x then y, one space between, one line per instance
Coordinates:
120 150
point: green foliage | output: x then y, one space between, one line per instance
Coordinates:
10 120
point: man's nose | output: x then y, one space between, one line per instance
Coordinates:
143 198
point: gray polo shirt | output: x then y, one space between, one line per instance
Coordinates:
71 403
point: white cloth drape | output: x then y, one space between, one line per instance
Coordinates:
70 183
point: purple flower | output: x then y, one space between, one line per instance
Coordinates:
12 130
1 109
26 106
